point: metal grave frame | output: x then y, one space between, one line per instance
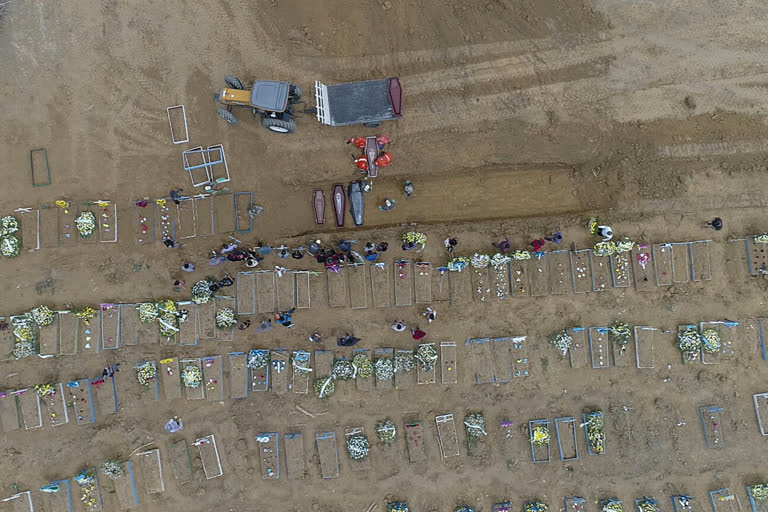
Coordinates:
638 329
170 124
36 213
569 421
715 415
722 495
238 228
209 440
205 155
44 153
531 425
756 401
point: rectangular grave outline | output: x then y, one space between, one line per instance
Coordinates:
382 265
288 382
496 372
199 310
533 263
473 341
129 470
638 269
575 500
13 395
44 151
54 329
102 227
420 455
461 301
252 276
675 500
589 270
261 273
656 266
400 382
77 384
60 392
103 380
68 487
341 274
322 436
726 495
568 420
22 421
451 371
180 226
303 390
250 370
238 229
694 276
517 342
156 380
292 437
200 214
149 236
571 331
199 362
600 330
19 495
592 257
101 320
276 437
614 279
290 275
72 318
21 212
363 287
219 375
637 347
586 433
231 379
688 254
713 409
426 377
704 354
189 462
531 425
296 279
552 261
422 265
446 419
149 453
199 442
384 353
407 277
751 499
755 396
193 310
476 275
370 382
170 124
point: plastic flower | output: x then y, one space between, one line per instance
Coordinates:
404 362
604 248
689 342
10 246
620 333
562 341
86 223
191 376
458 264
426 354
762 239
85 314
521 255
201 292
611 505
42 315
146 372
498 260
386 431
385 369
596 431
475 425
258 359
624 245
148 312
300 362
343 369
480 260
759 492
415 237
225 318
113 469
540 435
710 340
363 365
324 387
8 225
535 506
358 446
44 390
648 505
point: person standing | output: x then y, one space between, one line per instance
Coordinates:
408 189
176 195
388 205
188 267
716 224
399 326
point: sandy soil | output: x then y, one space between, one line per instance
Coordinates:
521 117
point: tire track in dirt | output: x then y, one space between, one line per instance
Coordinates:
699 150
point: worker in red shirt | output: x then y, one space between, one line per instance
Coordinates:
418 334
357 141
384 160
361 162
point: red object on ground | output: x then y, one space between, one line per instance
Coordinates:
383 140
358 141
418 334
538 244
362 163
384 160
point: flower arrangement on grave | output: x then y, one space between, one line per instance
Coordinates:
499 260
148 312
535 506
146 372
363 365
324 387
398 507
300 362
191 376
611 505
464 508
624 245
647 505
384 368
415 237
540 435
8 225
458 264
358 446
64 205
113 469
225 318
595 426
386 431
404 362
426 354
86 223
689 343
759 492
474 424
44 390
603 249
502 507
85 314
343 369
89 494
10 246
710 341
521 255
168 318
562 341
480 260
258 359
201 291
25 336
762 239
620 334
42 315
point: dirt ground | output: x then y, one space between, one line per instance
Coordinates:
520 118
